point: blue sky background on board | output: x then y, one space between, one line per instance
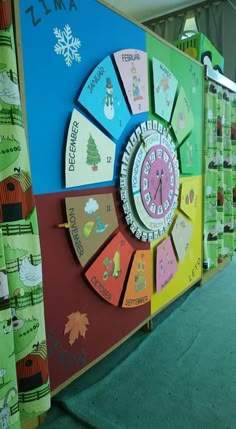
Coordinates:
52 88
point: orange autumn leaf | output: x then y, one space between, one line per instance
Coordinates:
76 326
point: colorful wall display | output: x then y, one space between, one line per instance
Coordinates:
126 240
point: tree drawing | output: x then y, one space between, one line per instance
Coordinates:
93 157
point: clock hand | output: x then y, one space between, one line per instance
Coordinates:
161 191
159 187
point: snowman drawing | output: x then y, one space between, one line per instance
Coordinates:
109 111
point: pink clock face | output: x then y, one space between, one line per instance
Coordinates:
155 182
158 181
149 181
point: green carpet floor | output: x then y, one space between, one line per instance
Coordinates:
182 375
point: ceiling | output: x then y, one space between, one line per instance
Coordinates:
143 10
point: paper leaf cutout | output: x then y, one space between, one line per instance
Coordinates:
76 326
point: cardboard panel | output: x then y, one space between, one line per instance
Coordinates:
73 74
67 293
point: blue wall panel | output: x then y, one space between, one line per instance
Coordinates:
55 86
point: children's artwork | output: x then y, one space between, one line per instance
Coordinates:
102 97
166 264
190 157
139 286
90 154
165 86
190 198
182 119
91 220
107 274
132 66
181 234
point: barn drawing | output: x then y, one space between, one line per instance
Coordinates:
16 197
32 370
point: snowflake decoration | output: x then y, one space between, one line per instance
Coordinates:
67 45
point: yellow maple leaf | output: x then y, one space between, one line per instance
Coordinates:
76 326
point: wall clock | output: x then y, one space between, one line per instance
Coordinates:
149 184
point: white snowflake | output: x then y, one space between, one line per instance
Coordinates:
67 45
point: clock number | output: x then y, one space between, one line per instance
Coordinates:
169 217
123 195
170 195
129 219
153 208
145 183
133 228
152 157
144 236
170 167
166 157
172 180
147 198
160 210
166 204
124 170
108 208
122 182
138 233
109 159
159 153
147 168
126 208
